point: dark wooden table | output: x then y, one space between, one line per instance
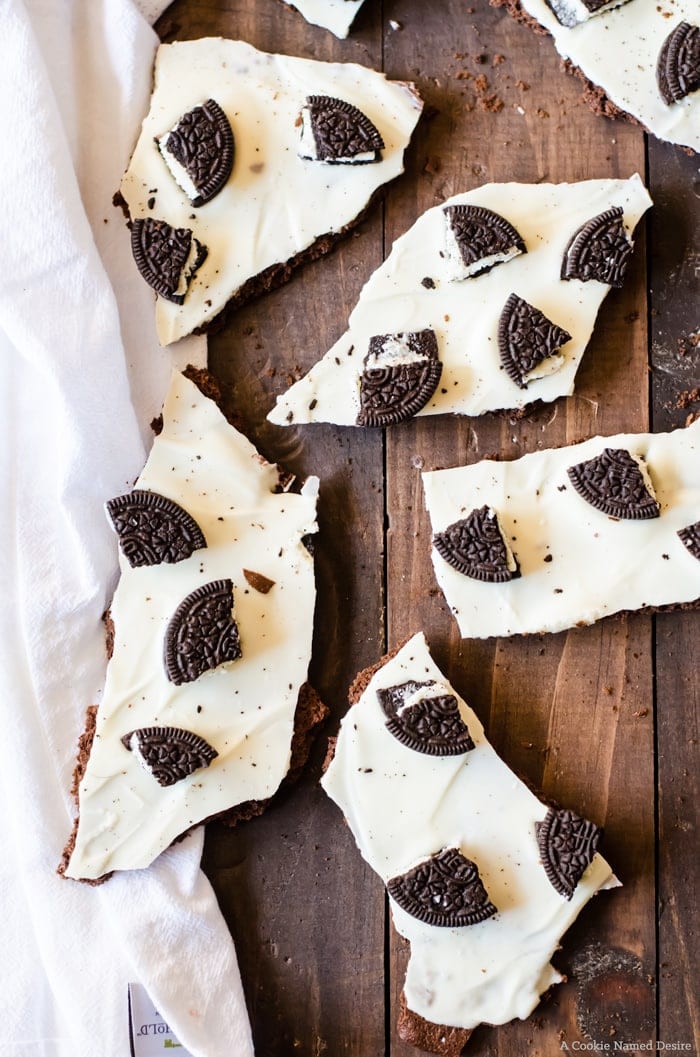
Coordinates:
599 718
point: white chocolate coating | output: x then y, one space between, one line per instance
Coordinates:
335 15
274 205
598 565
403 806
464 313
245 708
618 50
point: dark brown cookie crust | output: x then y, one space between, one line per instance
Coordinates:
435 1038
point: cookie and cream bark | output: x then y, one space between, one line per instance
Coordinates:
608 525
335 15
212 620
470 302
275 204
487 839
619 48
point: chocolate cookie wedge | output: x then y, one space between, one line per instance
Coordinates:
605 526
259 159
483 275
483 877
211 642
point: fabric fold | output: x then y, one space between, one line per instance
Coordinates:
81 376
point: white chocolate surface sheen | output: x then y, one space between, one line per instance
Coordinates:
403 806
618 50
335 15
244 709
464 313
275 204
577 564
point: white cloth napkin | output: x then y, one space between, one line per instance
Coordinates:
81 376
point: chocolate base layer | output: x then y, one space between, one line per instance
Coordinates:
434 1038
593 95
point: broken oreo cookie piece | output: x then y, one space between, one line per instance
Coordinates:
202 633
401 373
167 257
567 844
169 753
528 342
445 890
153 529
476 546
335 131
199 152
615 483
425 717
599 250
678 66
477 239
690 538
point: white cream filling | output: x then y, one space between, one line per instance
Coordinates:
577 564
403 806
308 149
335 15
548 366
243 709
618 50
424 693
457 269
511 563
274 205
465 315
186 273
396 351
179 173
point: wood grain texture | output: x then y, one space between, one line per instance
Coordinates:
573 713
674 241
559 708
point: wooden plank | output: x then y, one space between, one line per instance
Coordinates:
566 711
306 914
674 270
